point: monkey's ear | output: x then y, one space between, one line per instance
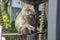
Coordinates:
32 8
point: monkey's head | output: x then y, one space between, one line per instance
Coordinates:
28 10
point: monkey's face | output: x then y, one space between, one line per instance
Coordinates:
28 10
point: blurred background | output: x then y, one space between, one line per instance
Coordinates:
11 8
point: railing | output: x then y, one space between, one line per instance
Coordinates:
29 37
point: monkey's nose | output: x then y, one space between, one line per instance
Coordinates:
26 28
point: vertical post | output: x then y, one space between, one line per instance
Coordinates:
58 21
52 15
54 20
0 32
42 36
0 26
30 37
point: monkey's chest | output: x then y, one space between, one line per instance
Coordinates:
31 21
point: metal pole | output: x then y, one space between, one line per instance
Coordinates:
42 36
52 18
0 32
0 27
31 37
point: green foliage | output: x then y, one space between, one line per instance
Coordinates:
45 29
5 14
12 29
6 20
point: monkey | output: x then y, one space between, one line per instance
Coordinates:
25 22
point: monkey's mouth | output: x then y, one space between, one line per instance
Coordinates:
28 13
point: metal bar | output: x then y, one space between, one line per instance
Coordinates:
18 34
11 34
0 32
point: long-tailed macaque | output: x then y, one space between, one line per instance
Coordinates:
25 22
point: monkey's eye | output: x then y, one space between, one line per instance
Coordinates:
27 9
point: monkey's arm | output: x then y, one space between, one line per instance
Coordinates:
19 22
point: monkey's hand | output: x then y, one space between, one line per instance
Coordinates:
27 29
